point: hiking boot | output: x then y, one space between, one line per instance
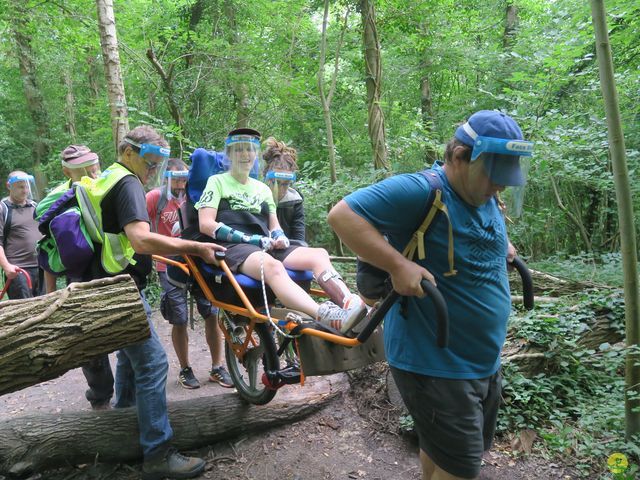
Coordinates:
172 465
342 319
220 375
187 379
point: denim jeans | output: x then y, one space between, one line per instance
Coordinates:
141 377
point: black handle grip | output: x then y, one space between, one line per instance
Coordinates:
377 313
527 282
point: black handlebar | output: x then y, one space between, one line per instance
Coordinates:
377 313
527 282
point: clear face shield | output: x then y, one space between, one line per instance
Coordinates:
22 188
176 181
155 160
76 173
242 155
506 162
279 183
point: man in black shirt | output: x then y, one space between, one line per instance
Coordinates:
141 372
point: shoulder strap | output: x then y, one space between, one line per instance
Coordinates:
434 205
7 222
162 203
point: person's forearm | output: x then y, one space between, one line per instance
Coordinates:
156 244
363 238
4 262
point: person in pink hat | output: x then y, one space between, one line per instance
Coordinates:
79 161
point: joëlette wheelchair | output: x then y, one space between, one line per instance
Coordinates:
266 346
266 349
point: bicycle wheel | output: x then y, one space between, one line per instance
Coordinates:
260 356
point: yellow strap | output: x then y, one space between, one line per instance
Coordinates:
417 239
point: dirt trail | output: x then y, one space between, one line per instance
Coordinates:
347 440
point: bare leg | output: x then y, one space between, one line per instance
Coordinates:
305 258
289 293
180 340
213 336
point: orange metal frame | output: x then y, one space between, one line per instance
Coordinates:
191 269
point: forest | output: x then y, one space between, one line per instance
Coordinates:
365 89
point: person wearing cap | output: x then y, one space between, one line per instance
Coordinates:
239 212
77 161
19 235
163 204
279 174
118 198
452 393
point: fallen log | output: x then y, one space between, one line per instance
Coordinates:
32 443
43 337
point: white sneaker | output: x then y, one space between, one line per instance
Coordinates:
356 311
343 319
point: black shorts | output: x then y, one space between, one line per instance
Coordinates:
173 303
455 419
237 253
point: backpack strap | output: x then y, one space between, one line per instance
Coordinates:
162 203
7 221
434 205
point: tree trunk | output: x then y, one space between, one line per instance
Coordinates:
510 25
174 107
33 95
70 107
625 212
112 71
326 96
34 442
240 89
373 80
43 337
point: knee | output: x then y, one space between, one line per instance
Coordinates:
273 268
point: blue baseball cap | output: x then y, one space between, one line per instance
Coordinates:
500 139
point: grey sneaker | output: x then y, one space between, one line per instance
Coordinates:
220 375
343 319
172 465
187 379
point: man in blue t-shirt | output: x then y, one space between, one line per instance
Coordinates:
452 393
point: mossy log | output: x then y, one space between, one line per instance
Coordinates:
43 337
32 443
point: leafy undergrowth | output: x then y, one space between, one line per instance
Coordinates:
576 403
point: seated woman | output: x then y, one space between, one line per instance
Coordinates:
279 174
239 212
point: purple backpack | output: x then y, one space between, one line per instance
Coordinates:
66 247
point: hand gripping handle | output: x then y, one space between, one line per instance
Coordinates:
377 313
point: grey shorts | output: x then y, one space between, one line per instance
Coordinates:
173 303
455 419
237 253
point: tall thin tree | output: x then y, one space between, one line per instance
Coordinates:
32 92
113 70
327 96
373 80
625 213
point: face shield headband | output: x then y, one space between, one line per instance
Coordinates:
145 148
504 146
279 183
174 177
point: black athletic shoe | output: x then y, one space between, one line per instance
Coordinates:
187 379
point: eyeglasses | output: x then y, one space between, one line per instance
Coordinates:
151 165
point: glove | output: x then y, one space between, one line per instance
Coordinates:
264 243
281 238
228 234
